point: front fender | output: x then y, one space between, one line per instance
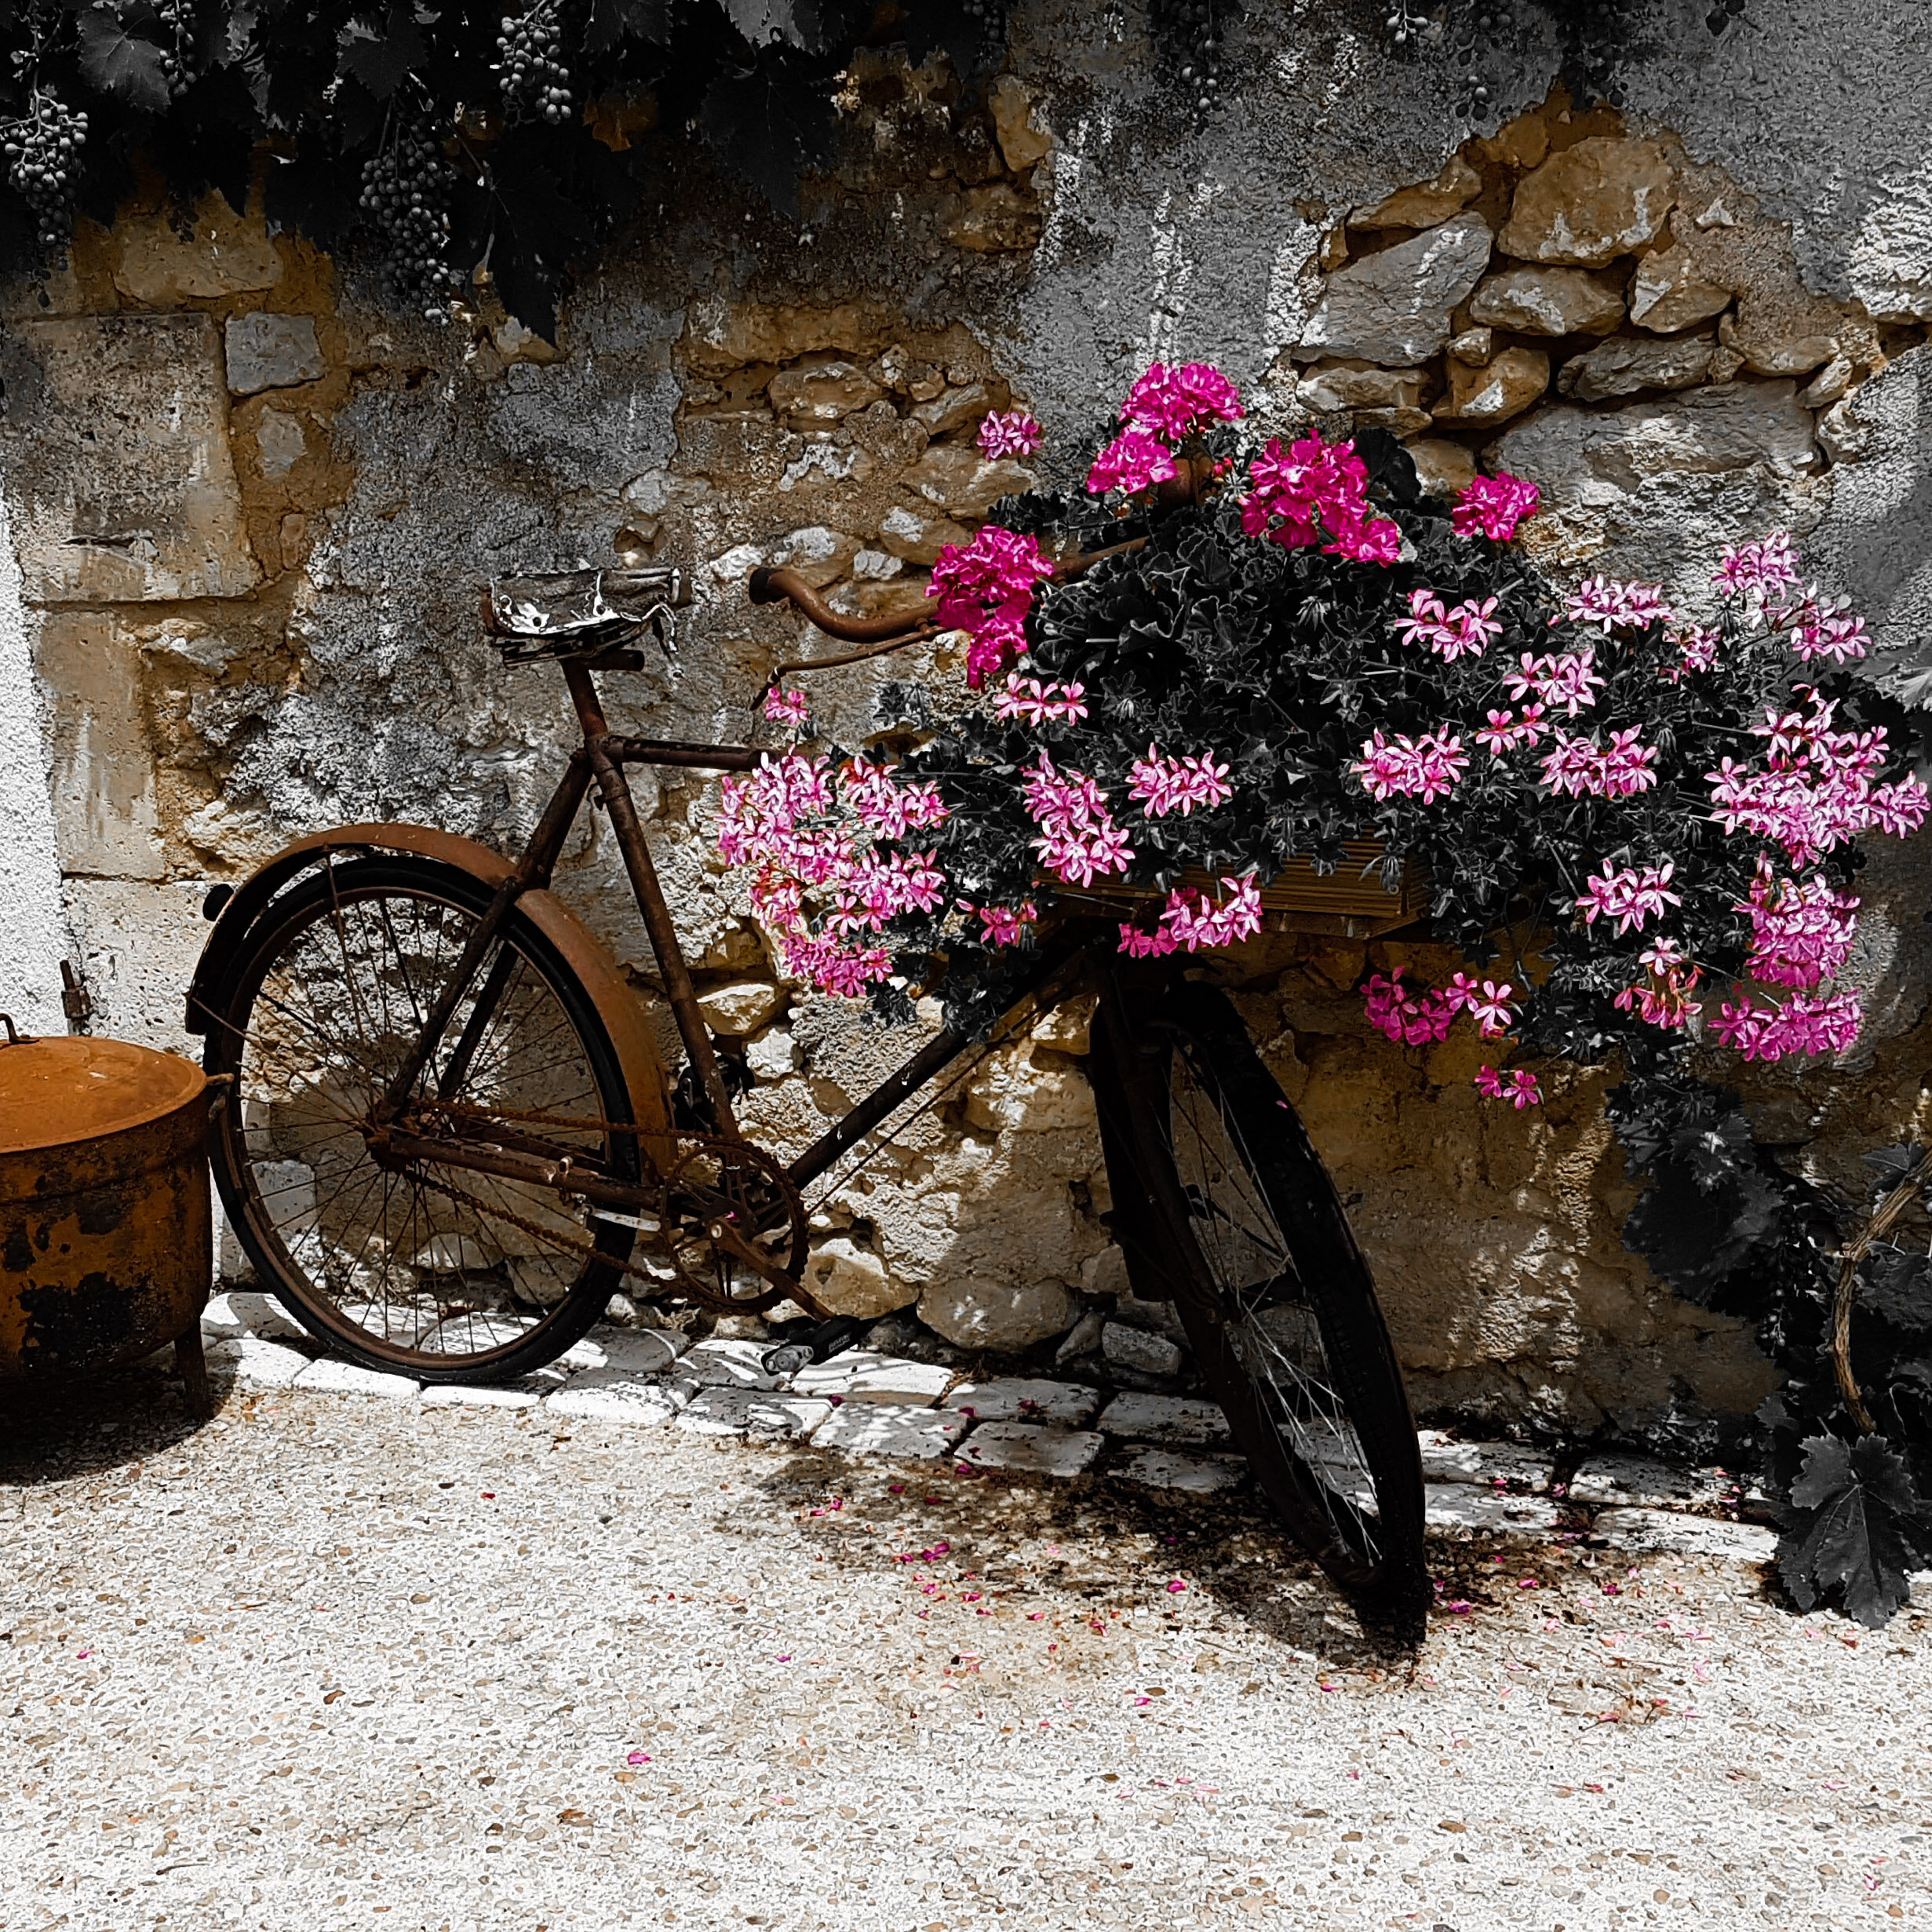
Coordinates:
602 978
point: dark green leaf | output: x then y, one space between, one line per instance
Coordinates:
770 120
382 56
121 64
1848 1534
613 20
1898 1284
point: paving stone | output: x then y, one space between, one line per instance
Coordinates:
642 1352
257 1364
1165 1419
1444 1460
1032 1449
742 1411
246 1311
890 1429
1025 1399
1637 1481
1199 1475
737 1365
1463 1506
617 1395
449 1395
1643 1529
1139 1349
331 1377
862 1374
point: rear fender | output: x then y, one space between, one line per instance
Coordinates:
585 955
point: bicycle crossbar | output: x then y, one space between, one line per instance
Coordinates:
664 751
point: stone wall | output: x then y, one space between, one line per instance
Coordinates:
252 512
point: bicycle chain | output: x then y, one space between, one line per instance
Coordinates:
724 1145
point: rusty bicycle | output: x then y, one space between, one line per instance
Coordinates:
454 1133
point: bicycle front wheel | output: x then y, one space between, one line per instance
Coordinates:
1280 1305
437 1271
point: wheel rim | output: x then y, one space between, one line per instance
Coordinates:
426 1267
1269 1328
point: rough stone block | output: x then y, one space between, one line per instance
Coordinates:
615 1395
1165 1419
1424 205
957 479
1198 1475
813 398
271 351
735 1364
259 1365
223 254
279 441
637 1351
1636 1480
1139 1349
851 1280
1662 1530
118 464
1499 390
1023 139
1624 365
1548 301
1601 198
1025 1399
330 1377
749 1411
1462 1506
1444 469
1031 1448
861 1375
450 1395
978 1312
1394 307
886 1429
1446 1460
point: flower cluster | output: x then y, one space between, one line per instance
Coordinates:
1664 998
1520 1088
1492 506
1166 784
1569 678
1801 932
1828 1024
1425 767
1579 765
1167 406
1469 626
1628 896
985 588
1606 604
1409 1018
1313 489
1034 703
1012 433
1078 837
1190 919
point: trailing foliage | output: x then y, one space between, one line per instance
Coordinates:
451 141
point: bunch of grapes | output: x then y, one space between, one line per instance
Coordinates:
1722 14
529 67
176 21
405 201
1191 34
991 15
42 151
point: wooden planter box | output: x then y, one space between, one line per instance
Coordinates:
1349 903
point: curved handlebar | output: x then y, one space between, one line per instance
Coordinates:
779 586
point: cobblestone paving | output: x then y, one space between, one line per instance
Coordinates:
336 1661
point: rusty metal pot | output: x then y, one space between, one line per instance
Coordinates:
105 1236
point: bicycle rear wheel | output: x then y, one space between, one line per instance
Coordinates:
1279 1303
439 1272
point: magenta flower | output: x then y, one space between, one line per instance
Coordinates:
1610 605
1078 836
1802 932
1492 506
1312 487
1570 680
1166 784
1133 461
1013 433
1469 627
1417 1020
1428 766
1036 704
1628 896
1759 569
792 708
985 588
1002 925
1801 1025
1172 402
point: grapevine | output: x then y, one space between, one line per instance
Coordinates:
406 200
1191 35
42 151
530 67
176 21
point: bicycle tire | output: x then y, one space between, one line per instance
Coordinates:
1277 1301
372 1311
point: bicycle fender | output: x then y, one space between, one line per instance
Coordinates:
602 978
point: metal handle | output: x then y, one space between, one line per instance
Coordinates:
14 1037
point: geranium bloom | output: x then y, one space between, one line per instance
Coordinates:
985 588
1487 1003
792 708
1040 704
1194 921
1801 1025
1133 461
1759 569
1002 925
1570 680
890 809
1166 784
1836 634
1578 764
1628 896
1173 401
1013 433
1430 765
1603 601
1696 648
1078 836
1410 1020
1802 932
1505 730
1469 627
1315 487
1492 506
1520 1088
1664 999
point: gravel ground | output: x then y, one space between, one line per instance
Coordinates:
343 1662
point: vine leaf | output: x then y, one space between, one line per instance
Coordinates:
119 63
768 121
1897 1284
613 20
1847 1528
1694 1231
381 58
533 228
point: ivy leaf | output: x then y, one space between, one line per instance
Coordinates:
1898 1284
120 63
1849 1530
380 58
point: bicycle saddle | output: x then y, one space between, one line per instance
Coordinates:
561 614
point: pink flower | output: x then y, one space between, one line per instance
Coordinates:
1036 704
1802 933
1078 836
1579 765
792 708
1492 506
1410 1019
1137 944
1431 766
1133 461
1570 680
1173 401
1468 628
1696 648
1801 1025
1311 487
1194 920
1603 601
1166 784
1839 635
1521 1089
1628 896
986 588
1760 568
1001 926
1015 433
